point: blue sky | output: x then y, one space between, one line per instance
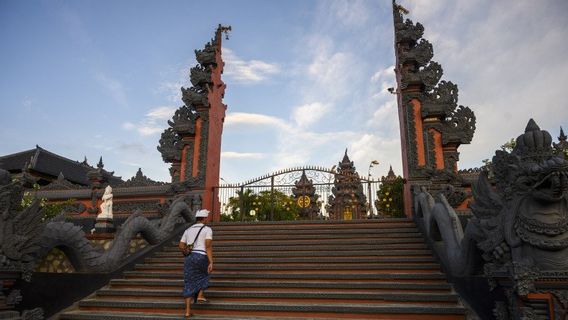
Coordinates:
306 79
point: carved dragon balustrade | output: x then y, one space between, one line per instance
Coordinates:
519 229
25 238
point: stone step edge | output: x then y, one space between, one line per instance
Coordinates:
378 253
375 235
323 276
106 315
323 243
319 243
321 232
402 296
310 230
285 260
300 266
312 222
313 247
283 306
304 285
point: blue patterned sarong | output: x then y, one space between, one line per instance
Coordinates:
195 276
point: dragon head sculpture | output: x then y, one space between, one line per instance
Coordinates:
525 218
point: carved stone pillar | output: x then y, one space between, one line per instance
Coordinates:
192 143
432 125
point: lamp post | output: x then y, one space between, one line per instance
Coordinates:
373 163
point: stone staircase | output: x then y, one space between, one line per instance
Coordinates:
291 270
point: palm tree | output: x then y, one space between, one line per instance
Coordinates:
241 205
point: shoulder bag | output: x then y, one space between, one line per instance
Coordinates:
189 247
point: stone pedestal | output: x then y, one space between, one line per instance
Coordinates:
104 225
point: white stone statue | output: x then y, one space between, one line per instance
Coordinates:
106 206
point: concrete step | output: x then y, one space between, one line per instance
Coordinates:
288 260
313 224
237 295
302 310
235 315
383 253
221 268
351 242
251 265
418 285
378 234
271 276
265 276
315 242
174 251
309 230
239 272
94 315
291 270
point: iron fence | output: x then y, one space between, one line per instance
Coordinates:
270 197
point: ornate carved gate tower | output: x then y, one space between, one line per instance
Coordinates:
192 143
348 200
432 125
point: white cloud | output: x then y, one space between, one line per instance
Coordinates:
128 126
310 113
350 13
132 164
368 147
297 145
254 119
243 71
149 130
133 147
172 89
331 75
161 113
386 74
154 122
241 155
301 147
386 117
114 88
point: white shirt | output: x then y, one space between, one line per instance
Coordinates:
191 232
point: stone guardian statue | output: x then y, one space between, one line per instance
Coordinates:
106 206
104 219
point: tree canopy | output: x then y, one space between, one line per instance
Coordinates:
250 206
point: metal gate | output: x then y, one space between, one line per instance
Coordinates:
278 196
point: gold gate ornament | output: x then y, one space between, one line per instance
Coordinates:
303 201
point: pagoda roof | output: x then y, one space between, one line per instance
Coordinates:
45 162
